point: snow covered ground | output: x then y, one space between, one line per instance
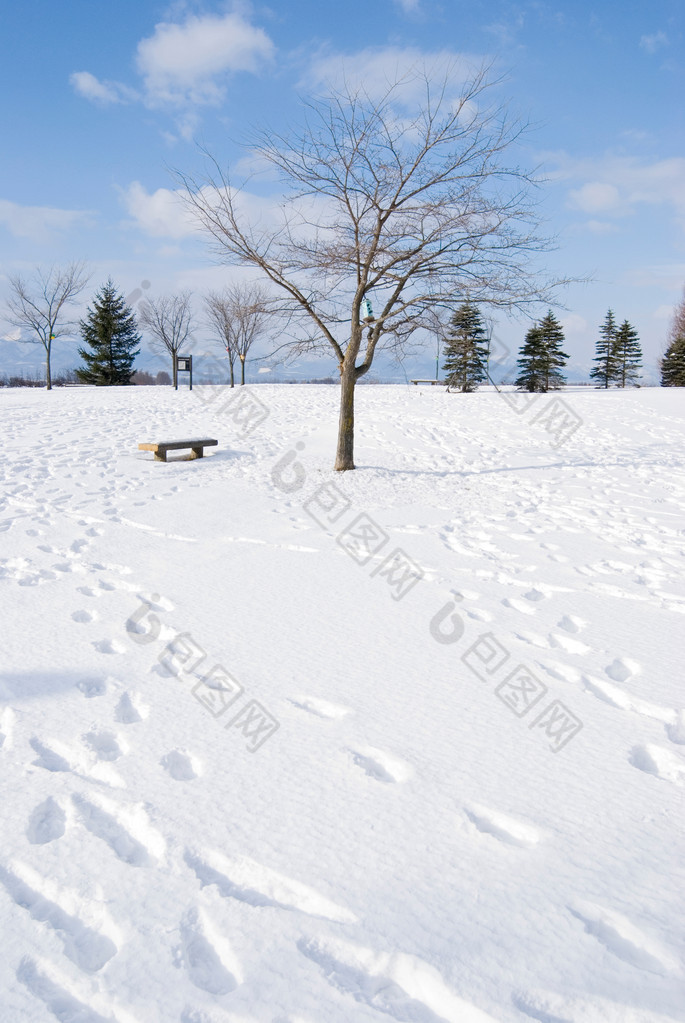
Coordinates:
290 746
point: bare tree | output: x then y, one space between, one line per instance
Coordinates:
169 322
412 209
37 305
238 315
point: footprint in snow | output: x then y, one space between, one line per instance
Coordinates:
83 616
320 708
518 605
624 939
62 911
534 639
46 823
570 623
397 984
109 646
92 687
502 827
568 644
257 885
676 729
106 745
659 761
380 765
207 955
7 718
55 757
126 829
552 1007
621 669
130 709
181 765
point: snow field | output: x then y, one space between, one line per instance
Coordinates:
405 841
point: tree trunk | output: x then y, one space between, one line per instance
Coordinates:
232 377
48 375
175 371
344 457
242 369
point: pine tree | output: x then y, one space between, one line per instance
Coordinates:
673 362
466 349
541 358
627 355
531 362
605 372
110 331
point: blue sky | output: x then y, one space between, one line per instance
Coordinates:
100 102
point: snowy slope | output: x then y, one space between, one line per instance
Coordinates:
259 766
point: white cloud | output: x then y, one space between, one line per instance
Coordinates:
39 223
92 88
574 324
185 63
617 185
654 42
13 335
408 6
595 197
375 69
160 214
164 214
600 227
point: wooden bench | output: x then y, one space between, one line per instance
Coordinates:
197 447
433 382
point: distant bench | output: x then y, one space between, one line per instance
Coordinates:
442 382
197 446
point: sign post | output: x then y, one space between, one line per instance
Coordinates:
183 364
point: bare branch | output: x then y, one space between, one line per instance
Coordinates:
37 304
168 321
412 210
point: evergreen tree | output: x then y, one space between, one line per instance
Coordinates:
541 358
531 362
628 355
606 370
466 349
673 362
110 331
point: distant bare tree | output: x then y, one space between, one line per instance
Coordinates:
238 314
38 304
409 203
169 322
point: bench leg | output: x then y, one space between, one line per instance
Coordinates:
198 452
160 456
